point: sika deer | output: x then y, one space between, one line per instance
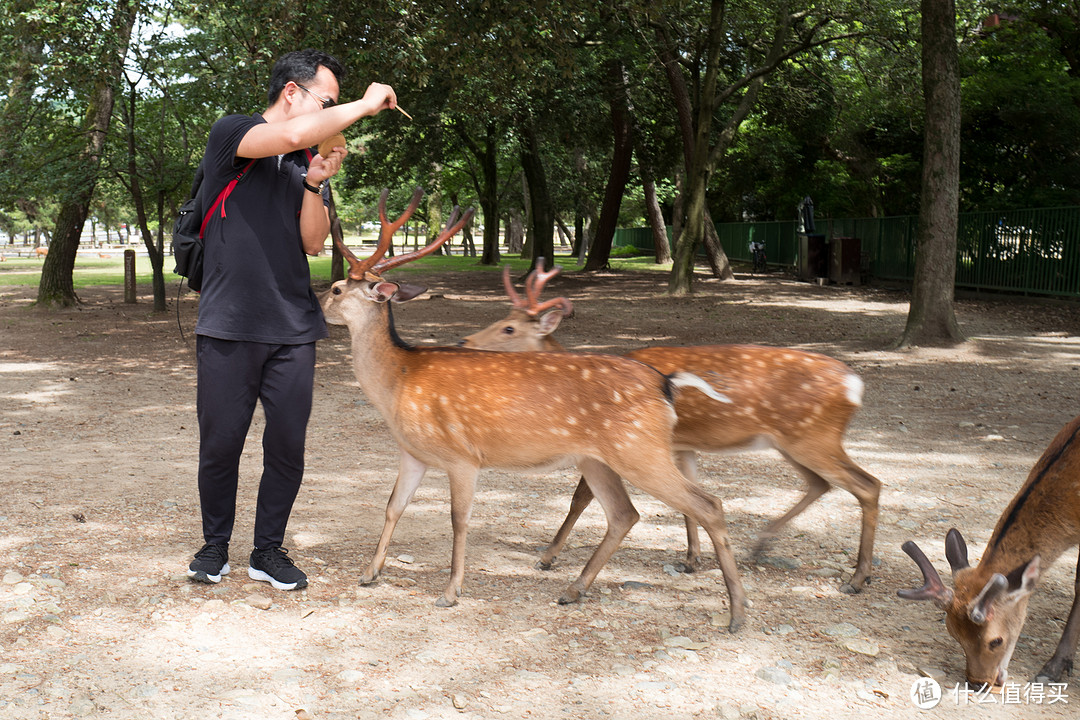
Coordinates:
798 402
461 410
988 607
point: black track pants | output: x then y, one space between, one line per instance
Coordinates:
232 376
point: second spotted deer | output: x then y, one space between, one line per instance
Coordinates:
795 401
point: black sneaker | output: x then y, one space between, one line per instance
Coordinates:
273 565
210 564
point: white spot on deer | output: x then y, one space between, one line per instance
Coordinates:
616 396
571 420
586 374
854 386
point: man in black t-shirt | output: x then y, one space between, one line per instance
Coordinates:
258 316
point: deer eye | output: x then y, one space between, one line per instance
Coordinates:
508 330
996 643
336 290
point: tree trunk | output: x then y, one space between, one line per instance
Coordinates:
435 220
515 232
579 234
543 212
656 221
566 239
623 132
696 156
57 287
487 189
931 318
153 251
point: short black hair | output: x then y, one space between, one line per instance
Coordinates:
300 66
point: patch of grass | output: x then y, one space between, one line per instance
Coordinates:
92 270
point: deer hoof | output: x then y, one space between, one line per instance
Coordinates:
544 565
367 579
735 624
571 596
685 566
850 589
1054 670
444 602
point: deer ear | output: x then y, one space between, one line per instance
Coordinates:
407 291
956 550
382 291
1022 579
549 321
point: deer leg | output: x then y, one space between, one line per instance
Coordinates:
410 473
1062 661
582 497
866 488
816 487
668 485
687 462
839 470
462 491
621 516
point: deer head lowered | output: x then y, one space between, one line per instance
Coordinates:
461 410
988 606
798 402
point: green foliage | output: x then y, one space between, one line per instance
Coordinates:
1021 118
841 121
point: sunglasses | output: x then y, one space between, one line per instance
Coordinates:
326 102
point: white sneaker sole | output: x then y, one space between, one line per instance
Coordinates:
265 577
201 576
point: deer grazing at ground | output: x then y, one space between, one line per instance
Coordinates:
461 410
988 606
797 402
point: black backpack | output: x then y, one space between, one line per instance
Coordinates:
187 235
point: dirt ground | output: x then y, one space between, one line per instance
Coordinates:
100 519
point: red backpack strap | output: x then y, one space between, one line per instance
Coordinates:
220 200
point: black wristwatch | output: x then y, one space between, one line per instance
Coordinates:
312 188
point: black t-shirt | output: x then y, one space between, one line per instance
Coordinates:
256 282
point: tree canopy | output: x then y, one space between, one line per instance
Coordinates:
560 111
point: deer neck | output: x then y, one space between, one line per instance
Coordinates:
380 357
1038 521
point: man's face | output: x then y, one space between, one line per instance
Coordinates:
319 93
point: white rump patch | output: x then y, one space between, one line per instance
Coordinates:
854 385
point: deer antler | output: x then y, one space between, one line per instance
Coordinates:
515 299
452 226
933 588
358 267
534 285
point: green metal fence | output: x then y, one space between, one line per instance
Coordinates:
1033 252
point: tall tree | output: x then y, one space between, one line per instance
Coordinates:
56 287
622 129
729 51
931 319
